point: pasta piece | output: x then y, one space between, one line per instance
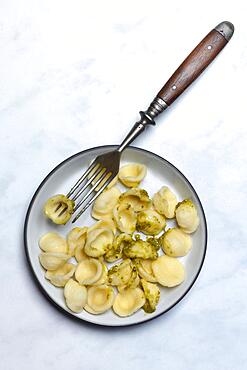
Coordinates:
76 239
137 198
133 282
53 242
107 223
140 249
80 254
125 218
128 302
60 276
132 174
168 271
115 251
90 310
88 271
104 276
150 222
165 201
98 242
186 216
152 295
156 242
134 279
104 204
75 296
145 270
176 243
52 261
100 298
51 211
121 273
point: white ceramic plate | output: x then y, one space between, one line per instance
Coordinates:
160 172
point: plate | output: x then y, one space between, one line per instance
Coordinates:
159 172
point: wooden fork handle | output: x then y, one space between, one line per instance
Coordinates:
203 54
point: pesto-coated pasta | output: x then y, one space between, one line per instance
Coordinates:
51 209
150 222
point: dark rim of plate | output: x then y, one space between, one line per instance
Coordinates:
71 315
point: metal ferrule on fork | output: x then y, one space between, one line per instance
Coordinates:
147 118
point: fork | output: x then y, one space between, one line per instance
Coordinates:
106 166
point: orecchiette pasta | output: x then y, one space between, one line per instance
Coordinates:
132 174
145 270
128 301
51 209
115 251
186 216
104 204
120 274
76 239
80 254
137 198
60 276
90 310
125 218
107 223
165 202
53 242
140 249
98 242
88 271
176 243
168 271
100 298
75 296
156 242
104 276
152 295
150 222
133 281
52 261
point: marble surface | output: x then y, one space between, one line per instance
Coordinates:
74 74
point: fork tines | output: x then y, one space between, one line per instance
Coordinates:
98 177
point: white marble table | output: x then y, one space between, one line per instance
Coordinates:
73 74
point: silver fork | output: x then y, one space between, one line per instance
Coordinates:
106 166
